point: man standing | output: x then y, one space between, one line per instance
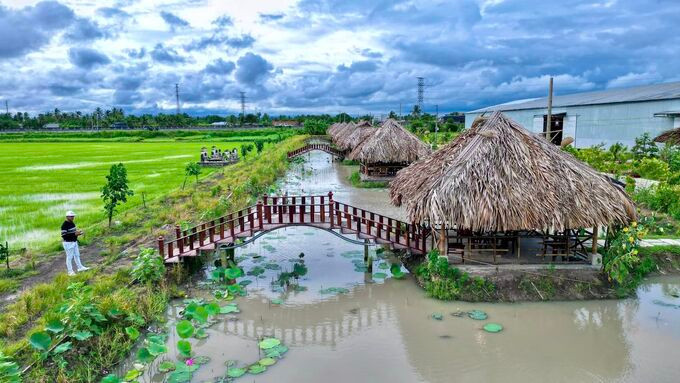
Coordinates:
70 234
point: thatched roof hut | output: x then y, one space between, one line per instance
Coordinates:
341 130
390 143
497 176
354 137
671 137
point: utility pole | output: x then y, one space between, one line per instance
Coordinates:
548 120
177 96
243 107
400 110
436 121
421 88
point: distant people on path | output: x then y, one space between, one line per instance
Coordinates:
70 234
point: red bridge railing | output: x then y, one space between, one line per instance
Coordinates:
276 211
309 147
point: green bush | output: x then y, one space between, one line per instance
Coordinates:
621 261
645 147
148 267
653 168
448 283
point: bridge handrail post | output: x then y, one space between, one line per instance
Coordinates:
338 214
303 204
231 226
331 215
408 236
180 240
259 214
161 247
389 228
311 210
322 209
201 236
170 250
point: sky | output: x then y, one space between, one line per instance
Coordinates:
325 56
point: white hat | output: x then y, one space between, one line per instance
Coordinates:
70 213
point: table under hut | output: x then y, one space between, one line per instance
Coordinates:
389 149
501 194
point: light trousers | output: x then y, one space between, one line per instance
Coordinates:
72 254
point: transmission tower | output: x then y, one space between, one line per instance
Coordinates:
243 106
6 107
177 96
421 88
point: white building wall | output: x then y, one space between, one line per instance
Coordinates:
607 123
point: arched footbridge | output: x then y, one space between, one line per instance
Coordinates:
310 147
275 212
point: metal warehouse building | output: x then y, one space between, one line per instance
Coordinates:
610 116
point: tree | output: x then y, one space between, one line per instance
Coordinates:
116 190
416 110
244 151
4 253
645 147
192 169
259 145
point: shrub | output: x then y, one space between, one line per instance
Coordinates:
621 260
645 147
148 267
653 168
448 283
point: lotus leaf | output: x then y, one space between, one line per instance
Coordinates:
257 369
40 340
111 378
233 272
245 282
132 375
268 343
185 329
132 332
166 366
236 372
156 349
277 301
229 308
184 348
477 315
437 316
54 326
267 361
144 356
379 275
201 360
200 334
493 327
179 377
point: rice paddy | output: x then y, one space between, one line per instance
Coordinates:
40 181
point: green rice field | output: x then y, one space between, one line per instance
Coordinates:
41 181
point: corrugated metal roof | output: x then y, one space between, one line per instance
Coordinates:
664 91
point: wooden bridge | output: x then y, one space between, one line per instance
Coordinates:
309 147
275 212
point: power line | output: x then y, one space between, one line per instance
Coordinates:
177 96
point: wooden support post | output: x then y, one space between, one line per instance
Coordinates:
231 227
170 250
423 235
366 251
348 220
389 228
408 236
192 238
241 224
221 227
223 258
303 200
291 210
259 215
443 241
593 249
180 241
201 236
311 210
397 231
161 247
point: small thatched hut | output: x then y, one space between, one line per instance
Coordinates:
334 128
497 177
670 137
341 130
386 151
354 137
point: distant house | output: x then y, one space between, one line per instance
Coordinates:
219 123
591 118
52 126
286 123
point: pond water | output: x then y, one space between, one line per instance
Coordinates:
381 329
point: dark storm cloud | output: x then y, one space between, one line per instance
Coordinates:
166 55
174 21
217 40
28 29
87 57
252 68
220 67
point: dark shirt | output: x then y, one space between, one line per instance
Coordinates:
68 232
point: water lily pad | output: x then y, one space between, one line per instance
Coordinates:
245 282
156 349
437 316
132 375
379 275
180 377
144 356
269 248
268 343
383 266
277 301
132 332
212 308
201 360
334 290
200 334
229 309
257 369
236 372
395 269
493 327
267 361
477 315
166 366
272 266
111 378
257 270
184 347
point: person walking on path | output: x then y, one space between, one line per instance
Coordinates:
69 233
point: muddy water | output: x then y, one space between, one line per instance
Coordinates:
382 330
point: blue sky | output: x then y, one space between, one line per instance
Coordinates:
326 56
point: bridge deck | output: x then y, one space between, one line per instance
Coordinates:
275 212
310 147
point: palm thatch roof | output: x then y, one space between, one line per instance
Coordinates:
671 137
390 143
341 130
354 137
497 176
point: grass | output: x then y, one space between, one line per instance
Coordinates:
43 180
271 135
244 183
355 180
